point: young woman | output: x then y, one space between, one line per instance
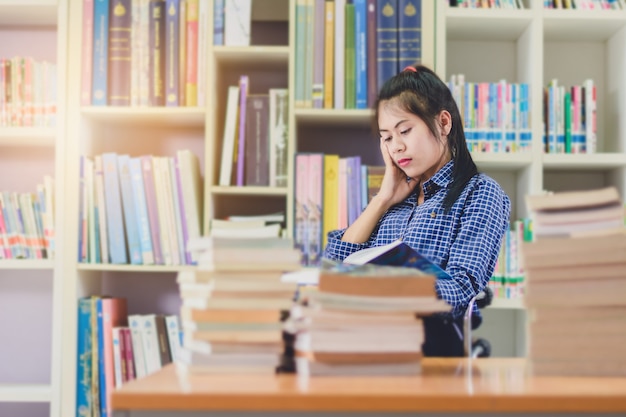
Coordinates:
433 198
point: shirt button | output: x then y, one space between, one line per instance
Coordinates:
433 215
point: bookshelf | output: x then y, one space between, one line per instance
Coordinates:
535 45
31 290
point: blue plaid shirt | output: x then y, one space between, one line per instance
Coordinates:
465 241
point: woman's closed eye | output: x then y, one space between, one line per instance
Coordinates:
405 131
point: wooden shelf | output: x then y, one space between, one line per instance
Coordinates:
248 190
155 116
594 161
25 393
27 136
486 24
19 13
502 161
507 303
25 264
566 25
133 268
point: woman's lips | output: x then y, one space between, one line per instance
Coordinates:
404 162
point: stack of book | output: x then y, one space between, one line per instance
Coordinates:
576 270
232 304
365 320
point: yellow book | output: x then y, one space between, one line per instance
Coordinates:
329 55
331 195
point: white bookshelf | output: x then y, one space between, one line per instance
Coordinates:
535 45
30 381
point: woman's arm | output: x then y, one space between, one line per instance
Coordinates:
474 252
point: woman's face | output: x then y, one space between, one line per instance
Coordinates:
411 145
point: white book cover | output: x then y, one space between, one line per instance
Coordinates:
173 336
164 162
135 323
150 339
237 22
117 356
178 208
228 139
161 200
279 130
102 211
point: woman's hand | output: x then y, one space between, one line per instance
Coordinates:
395 187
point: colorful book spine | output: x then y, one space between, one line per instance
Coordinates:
350 59
130 210
360 50
180 209
387 40
409 33
257 140
331 195
86 53
191 62
151 203
317 91
300 229
315 213
372 55
218 22
84 401
120 23
141 207
329 54
156 27
99 88
340 51
300 61
241 150
115 220
102 212
172 22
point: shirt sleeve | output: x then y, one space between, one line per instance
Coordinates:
475 249
338 250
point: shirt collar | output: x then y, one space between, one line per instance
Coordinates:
441 179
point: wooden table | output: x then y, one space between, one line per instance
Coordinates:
448 386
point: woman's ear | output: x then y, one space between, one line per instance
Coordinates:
445 122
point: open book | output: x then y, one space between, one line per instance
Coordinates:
396 253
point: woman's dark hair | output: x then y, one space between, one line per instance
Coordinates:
418 90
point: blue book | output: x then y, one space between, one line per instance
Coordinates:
113 203
409 33
101 369
141 211
99 91
218 22
360 47
83 365
172 29
128 205
387 40
396 253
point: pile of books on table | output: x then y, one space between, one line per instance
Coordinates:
232 304
364 320
576 270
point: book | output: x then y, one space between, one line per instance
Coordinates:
257 147
172 39
156 69
84 400
192 196
228 138
218 22
244 84
119 55
387 40
86 53
278 136
114 314
329 54
409 33
136 336
141 208
130 210
396 253
115 219
191 53
99 89
237 22
339 39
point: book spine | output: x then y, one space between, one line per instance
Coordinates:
331 194
83 369
181 209
143 222
163 345
135 326
218 22
257 141
308 54
228 139
172 22
300 61
237 21
329 54
151 204
129 354
317 92
100 53
130 210
173 335
387 40
241 151
118 358
156 27
202 51
191 74
117 243
350 59
102 212
300 206
360 50
119 56
182 54
409 33
372 54
339 39
278 131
